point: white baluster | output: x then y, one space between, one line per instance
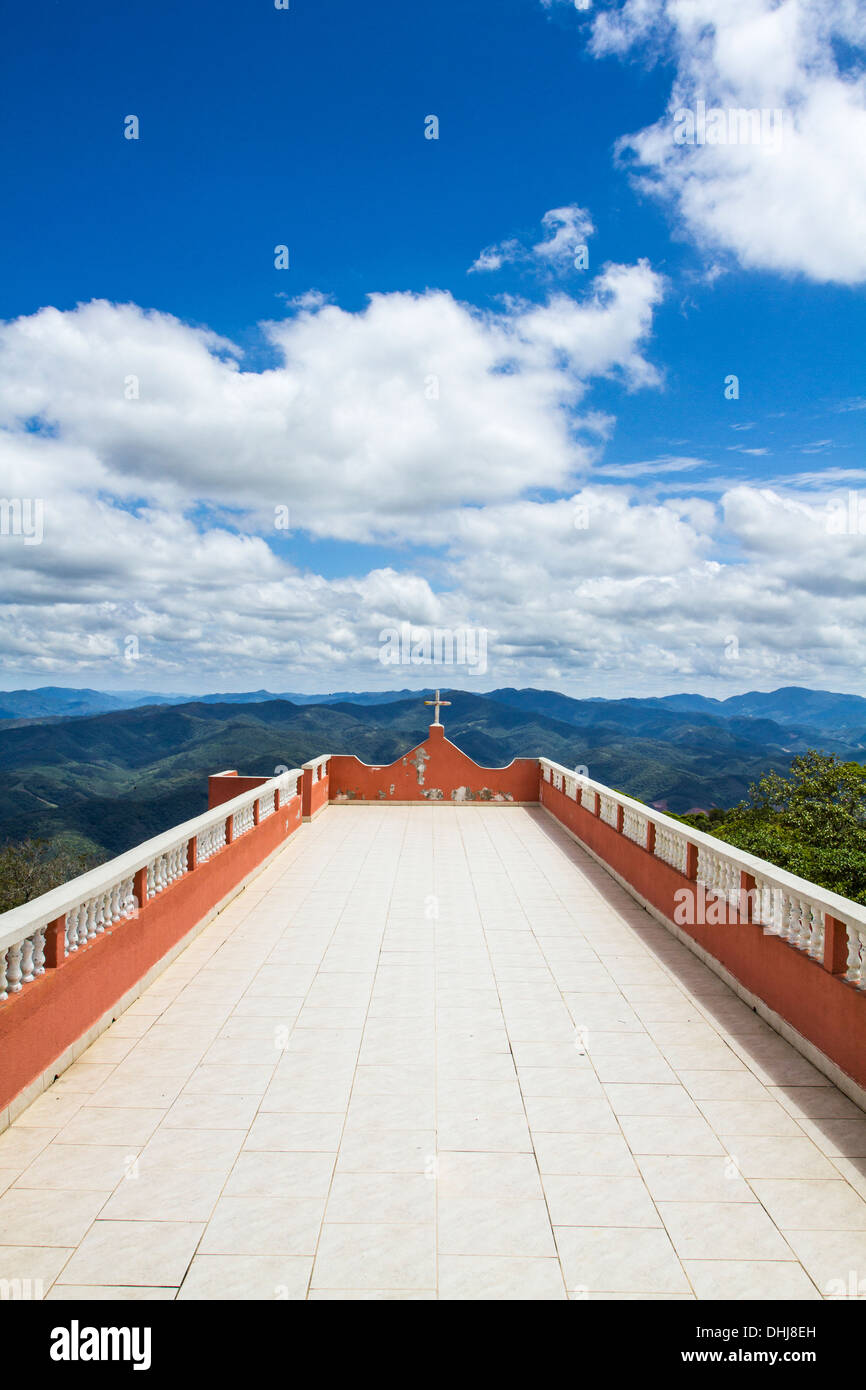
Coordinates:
13 968
816 935
72 931
784 917
853 971
39 953
27 973
804 940
3 981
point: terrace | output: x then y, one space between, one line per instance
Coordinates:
432 1030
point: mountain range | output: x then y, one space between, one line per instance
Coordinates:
106 779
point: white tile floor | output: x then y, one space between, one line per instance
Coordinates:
362 1081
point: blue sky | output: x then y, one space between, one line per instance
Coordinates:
261 127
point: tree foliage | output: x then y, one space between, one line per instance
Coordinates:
32 867
811 822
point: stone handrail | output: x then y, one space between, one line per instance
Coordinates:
317 766
86 906
783 904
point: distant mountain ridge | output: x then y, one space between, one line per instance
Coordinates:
796 705
840 714
114 777
62 702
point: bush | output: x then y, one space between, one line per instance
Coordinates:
811 822
32 867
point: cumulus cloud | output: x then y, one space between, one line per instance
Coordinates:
159 509
794 204
566 228
565 232
161 465
416 402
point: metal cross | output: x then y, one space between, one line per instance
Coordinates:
437 702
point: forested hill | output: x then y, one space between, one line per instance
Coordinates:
112 779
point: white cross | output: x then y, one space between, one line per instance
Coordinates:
437 702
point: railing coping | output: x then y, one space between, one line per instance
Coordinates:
20 922
317 762
844 909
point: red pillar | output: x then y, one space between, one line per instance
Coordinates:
835 946
139 888
747 901
307 793
692 862
55 943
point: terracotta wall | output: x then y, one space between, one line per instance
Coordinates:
434 771
225 786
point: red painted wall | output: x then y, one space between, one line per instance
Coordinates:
446 770
225 786
826 1009
47 1016
315 794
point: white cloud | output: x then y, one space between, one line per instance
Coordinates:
417 402
667 463
566 229
157 522
494 257
799 208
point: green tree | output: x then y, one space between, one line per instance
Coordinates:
811 822
32 867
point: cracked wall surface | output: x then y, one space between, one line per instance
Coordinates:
419 762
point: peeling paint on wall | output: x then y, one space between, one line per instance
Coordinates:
485 794
434 794
421 758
